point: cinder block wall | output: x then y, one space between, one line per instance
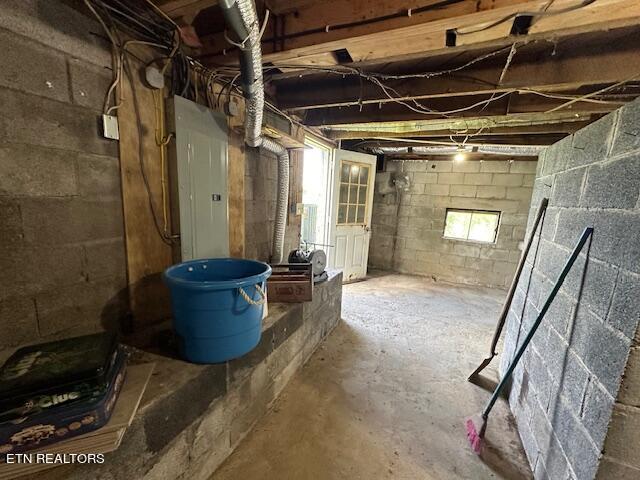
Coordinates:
409 237
261 173
568 382
62 248
61 242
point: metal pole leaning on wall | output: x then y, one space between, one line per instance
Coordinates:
475 432
512 290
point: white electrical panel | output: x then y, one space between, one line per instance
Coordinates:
201 142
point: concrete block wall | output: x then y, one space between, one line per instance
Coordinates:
62 248
192 417
569 380
62 252
261 173
408 228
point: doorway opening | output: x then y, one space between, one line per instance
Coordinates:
316 196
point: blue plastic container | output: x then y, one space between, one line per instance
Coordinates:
213 319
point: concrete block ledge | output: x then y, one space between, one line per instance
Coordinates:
193 416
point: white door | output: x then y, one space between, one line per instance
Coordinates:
354 178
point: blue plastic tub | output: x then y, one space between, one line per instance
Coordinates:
214 320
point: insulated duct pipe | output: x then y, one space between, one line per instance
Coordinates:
510 150
242 19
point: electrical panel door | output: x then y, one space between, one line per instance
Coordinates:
201 141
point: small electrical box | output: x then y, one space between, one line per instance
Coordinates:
110 127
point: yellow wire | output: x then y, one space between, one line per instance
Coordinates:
162 141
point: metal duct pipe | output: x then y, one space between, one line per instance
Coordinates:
510 150
282 200
242 18
519 150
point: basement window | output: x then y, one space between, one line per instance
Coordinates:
473 225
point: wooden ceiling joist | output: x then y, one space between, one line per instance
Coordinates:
555 68
454 108
185 9
514 124
485 139
430 34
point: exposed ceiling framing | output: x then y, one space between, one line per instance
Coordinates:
500 71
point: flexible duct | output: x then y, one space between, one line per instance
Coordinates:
510 150
241 17
283 197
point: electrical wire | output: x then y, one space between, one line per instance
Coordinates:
125 66
449 71
422 109
543 13
161 12
143 170
183 81
162 140
597 92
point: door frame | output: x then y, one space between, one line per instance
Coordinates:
355 157
328 187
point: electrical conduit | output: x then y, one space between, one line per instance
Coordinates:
241 17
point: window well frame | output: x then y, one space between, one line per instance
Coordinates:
471 212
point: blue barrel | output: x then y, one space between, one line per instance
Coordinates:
211 313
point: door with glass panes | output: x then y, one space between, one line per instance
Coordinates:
353 197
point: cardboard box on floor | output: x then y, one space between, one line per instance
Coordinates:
103 440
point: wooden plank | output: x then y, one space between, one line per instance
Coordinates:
430 36
525 123
345 19
614 13
235 175
147 254
185 8
539 135
322 59
454 107
286 140
601 61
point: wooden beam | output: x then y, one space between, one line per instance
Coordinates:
472 157
453 108
308 23
147 254
430 35
187 9
235 176
515 124
552 68
508 138
317 21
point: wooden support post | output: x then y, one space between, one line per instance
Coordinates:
236 194
147 254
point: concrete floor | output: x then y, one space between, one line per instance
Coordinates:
386 395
